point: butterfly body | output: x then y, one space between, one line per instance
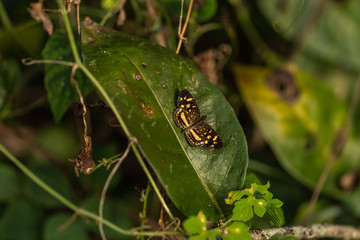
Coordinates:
187 117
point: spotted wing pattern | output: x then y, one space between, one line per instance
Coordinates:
187 117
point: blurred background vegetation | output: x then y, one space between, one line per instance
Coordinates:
289 68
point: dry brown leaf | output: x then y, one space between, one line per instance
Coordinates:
122 15
37 12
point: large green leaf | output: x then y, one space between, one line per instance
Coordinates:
301 119
143 80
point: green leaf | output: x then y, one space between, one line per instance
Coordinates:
20 220
283 15
52 177
243 210
263 189
9 81
114 210
30 35
207 235
251 178
259 207
343 44
195 224
237 230
60 90
237 195
73 231
256 199
143 80
275 215
9 184
49 138
299 117
110 5
352 202
207 10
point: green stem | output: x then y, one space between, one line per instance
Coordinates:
106 18
72 206
111 105
143 216
106 161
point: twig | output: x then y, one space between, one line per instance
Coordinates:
337 148
29 61
143 215
78 20
72 78
106 186
309 232
69 221
181 16
185 25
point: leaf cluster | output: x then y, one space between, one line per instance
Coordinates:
255 200
196 227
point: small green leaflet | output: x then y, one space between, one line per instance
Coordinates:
255 200
196 226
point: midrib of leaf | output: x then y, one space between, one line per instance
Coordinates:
211 196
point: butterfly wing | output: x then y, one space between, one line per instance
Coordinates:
204 135
187 103
187 116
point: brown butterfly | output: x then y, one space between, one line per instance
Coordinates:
187 117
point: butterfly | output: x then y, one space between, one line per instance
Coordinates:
187 117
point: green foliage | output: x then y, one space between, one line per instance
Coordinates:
307 124
20 220
196 226
61 91
56 228
9 82
255 200
59 140
114 210
52 177
28 40
207 10
110 5
143 80
301 131
9 183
